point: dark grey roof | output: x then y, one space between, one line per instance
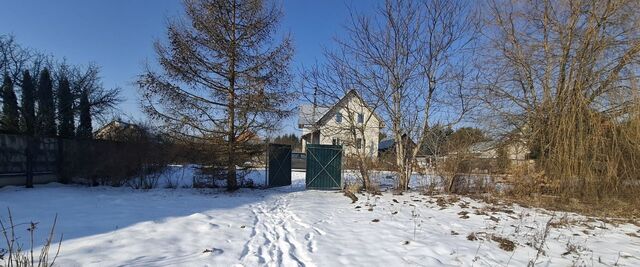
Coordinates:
307 115
386 144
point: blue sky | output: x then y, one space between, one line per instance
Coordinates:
118 34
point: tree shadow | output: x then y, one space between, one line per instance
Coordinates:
87 211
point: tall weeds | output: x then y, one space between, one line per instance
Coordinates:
16 255
563 75
588 155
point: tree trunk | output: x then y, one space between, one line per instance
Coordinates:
451 183
232 183
402 167
366 181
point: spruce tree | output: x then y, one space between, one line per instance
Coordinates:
65 109
85 131
46 119
28 104
10 116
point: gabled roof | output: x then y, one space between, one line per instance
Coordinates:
118 129
307 116
115 125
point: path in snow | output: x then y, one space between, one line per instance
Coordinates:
290 226
273 241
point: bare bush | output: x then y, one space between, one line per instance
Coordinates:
16 255
563 77
408 58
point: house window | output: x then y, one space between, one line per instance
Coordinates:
358 143
338 117
360 118
335 141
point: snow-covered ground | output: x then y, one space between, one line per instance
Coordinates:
290 226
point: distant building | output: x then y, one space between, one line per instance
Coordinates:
388 145
117 130
387 151
333 125
513 150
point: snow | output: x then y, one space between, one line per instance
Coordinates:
290 226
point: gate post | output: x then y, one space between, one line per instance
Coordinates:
29 162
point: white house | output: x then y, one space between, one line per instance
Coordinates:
350 122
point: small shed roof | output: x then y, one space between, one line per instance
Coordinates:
386 144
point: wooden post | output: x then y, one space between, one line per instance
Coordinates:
29 162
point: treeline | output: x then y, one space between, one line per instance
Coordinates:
288 139
54 99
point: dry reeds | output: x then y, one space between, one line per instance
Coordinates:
588 155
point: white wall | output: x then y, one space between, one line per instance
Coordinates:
332 129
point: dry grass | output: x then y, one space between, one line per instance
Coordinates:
625 209
580 112
17 254
503 242
353 187
589 162
589 165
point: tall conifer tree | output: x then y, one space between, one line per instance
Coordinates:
65 109
224 76
85 130
46 118
28 104
10 122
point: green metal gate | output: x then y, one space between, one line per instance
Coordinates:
279 165
324 167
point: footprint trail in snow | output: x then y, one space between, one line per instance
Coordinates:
273 241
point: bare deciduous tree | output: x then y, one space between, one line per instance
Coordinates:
224 77
15 59
562 74
102 100
332 85
412 58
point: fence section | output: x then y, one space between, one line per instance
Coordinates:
25 160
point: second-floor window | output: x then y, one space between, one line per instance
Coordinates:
336 141
358 143
360 118
338 117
